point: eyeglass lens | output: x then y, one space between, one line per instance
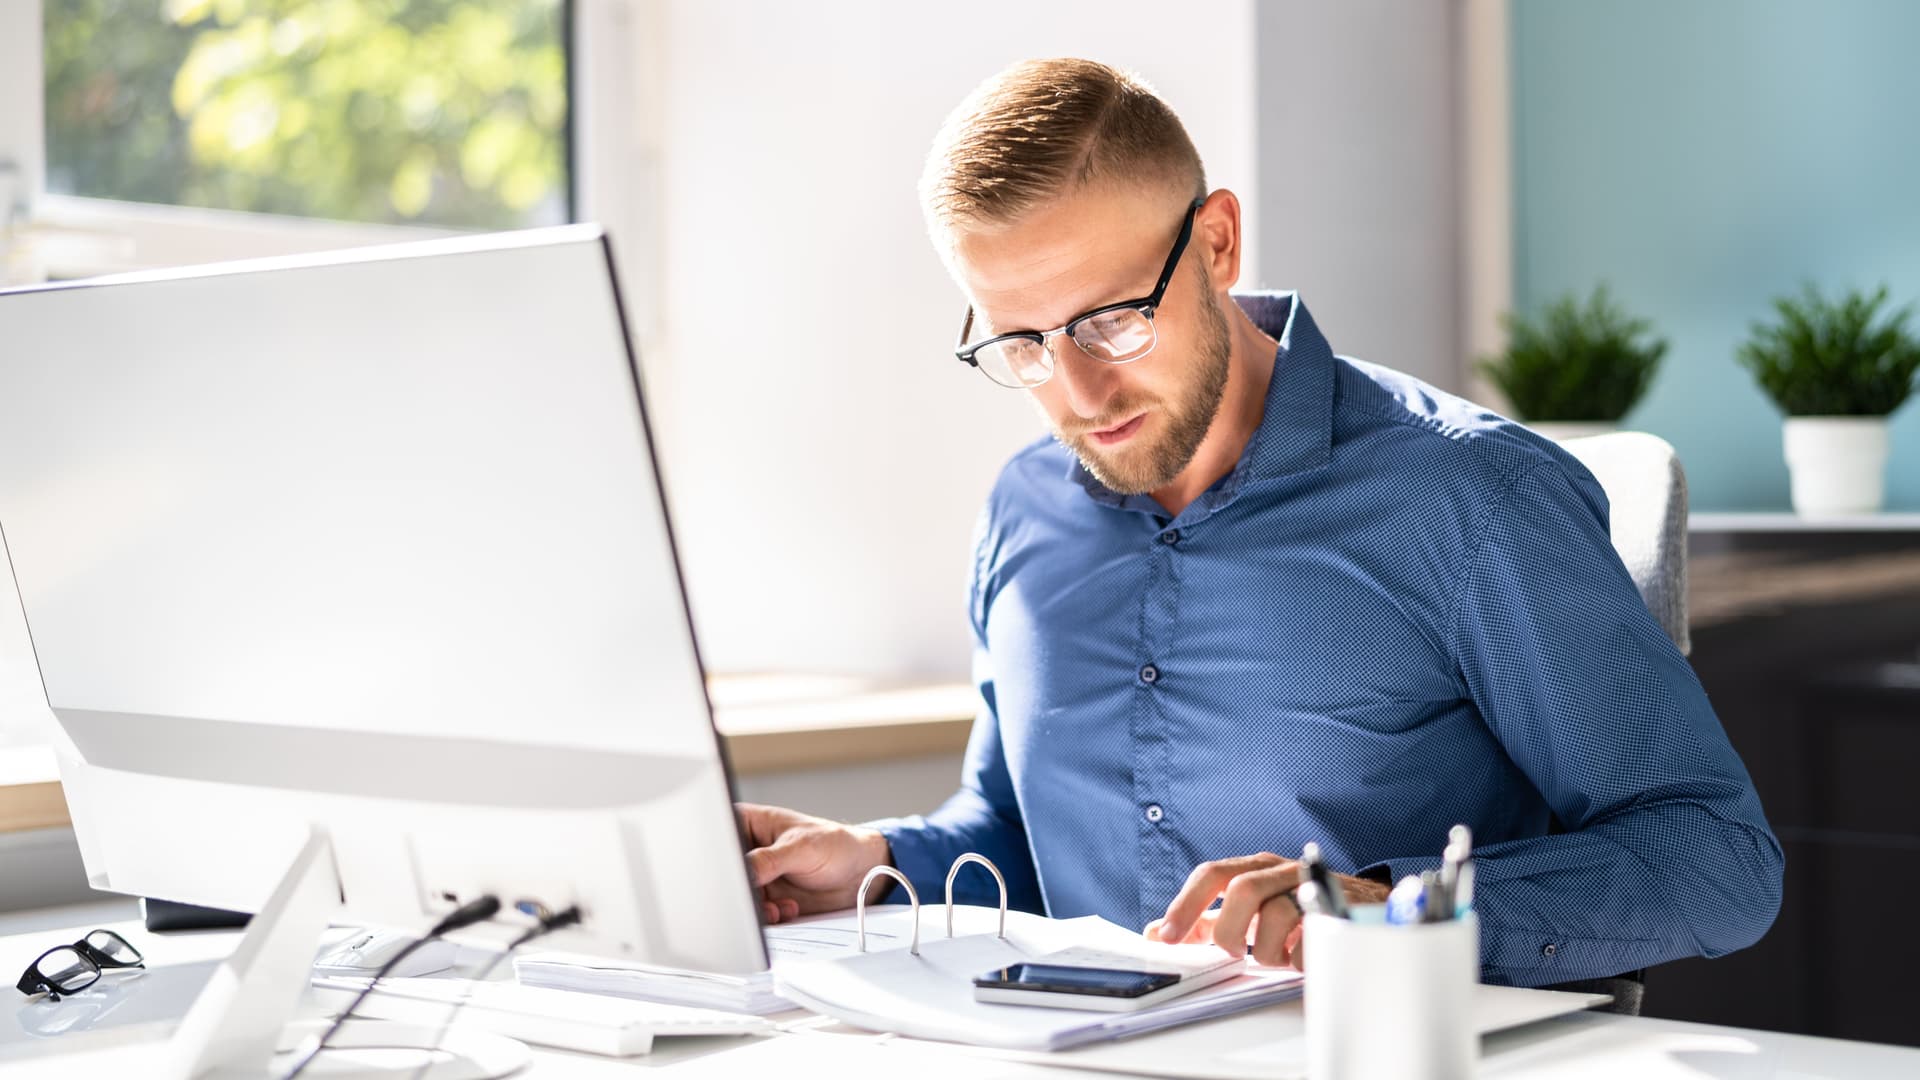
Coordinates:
113 949
65 970
1114 337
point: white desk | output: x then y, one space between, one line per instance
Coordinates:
1262 1043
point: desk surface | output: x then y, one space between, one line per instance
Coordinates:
1262 1043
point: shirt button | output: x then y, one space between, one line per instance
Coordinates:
1549 949
1170 537
1149 674
1154 813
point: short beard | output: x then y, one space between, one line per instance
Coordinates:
1136 470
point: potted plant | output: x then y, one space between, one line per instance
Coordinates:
1837 369
1575 370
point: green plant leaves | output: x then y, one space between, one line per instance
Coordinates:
442 112
1834 358
1576 362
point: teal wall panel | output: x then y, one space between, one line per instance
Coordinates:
1703 156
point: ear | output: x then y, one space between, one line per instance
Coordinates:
1216 233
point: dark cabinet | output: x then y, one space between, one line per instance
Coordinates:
1808 643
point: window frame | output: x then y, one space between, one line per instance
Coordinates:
81 236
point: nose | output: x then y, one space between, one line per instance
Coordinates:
1086 383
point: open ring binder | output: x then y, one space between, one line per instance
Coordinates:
928 991
913 897
954 871
860 904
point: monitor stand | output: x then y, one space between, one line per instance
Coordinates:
241 1026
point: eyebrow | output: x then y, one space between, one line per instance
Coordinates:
1166 272
993 329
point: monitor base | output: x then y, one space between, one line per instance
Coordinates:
242 1026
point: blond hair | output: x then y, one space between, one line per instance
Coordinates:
1044 128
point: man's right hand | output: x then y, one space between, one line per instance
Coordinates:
802 864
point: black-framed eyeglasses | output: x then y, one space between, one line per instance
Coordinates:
68 969
1113 333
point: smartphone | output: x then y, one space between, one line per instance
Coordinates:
1061 979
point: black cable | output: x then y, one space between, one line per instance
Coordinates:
473 911
546 926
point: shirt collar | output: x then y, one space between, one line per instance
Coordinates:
1296 431
1296 427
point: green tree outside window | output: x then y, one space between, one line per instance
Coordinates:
438 112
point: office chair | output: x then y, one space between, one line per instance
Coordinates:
1647 491
1647 497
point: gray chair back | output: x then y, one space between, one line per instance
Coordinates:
1647 491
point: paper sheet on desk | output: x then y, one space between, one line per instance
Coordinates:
930 996
812 938
1266 1045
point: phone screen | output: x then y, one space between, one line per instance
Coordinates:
1060 979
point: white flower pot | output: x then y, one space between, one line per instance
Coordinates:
1562 430
1838 463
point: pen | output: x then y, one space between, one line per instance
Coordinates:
1456 871
1407 903
1326 889
1435 906
1308 895
1450 870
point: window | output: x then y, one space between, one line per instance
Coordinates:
440 112
149 133
145 133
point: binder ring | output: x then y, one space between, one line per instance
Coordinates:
860 904
974 857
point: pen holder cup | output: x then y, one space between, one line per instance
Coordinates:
1385 1000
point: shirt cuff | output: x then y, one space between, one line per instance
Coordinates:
907 841
1522 956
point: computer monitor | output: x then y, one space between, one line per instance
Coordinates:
366 556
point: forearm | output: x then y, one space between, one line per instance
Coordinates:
1658 882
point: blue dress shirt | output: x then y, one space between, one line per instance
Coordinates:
1399 611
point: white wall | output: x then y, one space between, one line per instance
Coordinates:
1359 174
859 792
825 454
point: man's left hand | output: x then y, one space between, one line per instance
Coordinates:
1256 907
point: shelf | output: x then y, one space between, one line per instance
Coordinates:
1782 521
771 724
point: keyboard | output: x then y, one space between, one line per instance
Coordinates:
589 1023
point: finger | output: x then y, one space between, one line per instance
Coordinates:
1203 885
787 896
1202 930
762 824
1296 956
1275 926
1243 899
769 913
1200 934
769 864
789 908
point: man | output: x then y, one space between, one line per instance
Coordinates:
1251 594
